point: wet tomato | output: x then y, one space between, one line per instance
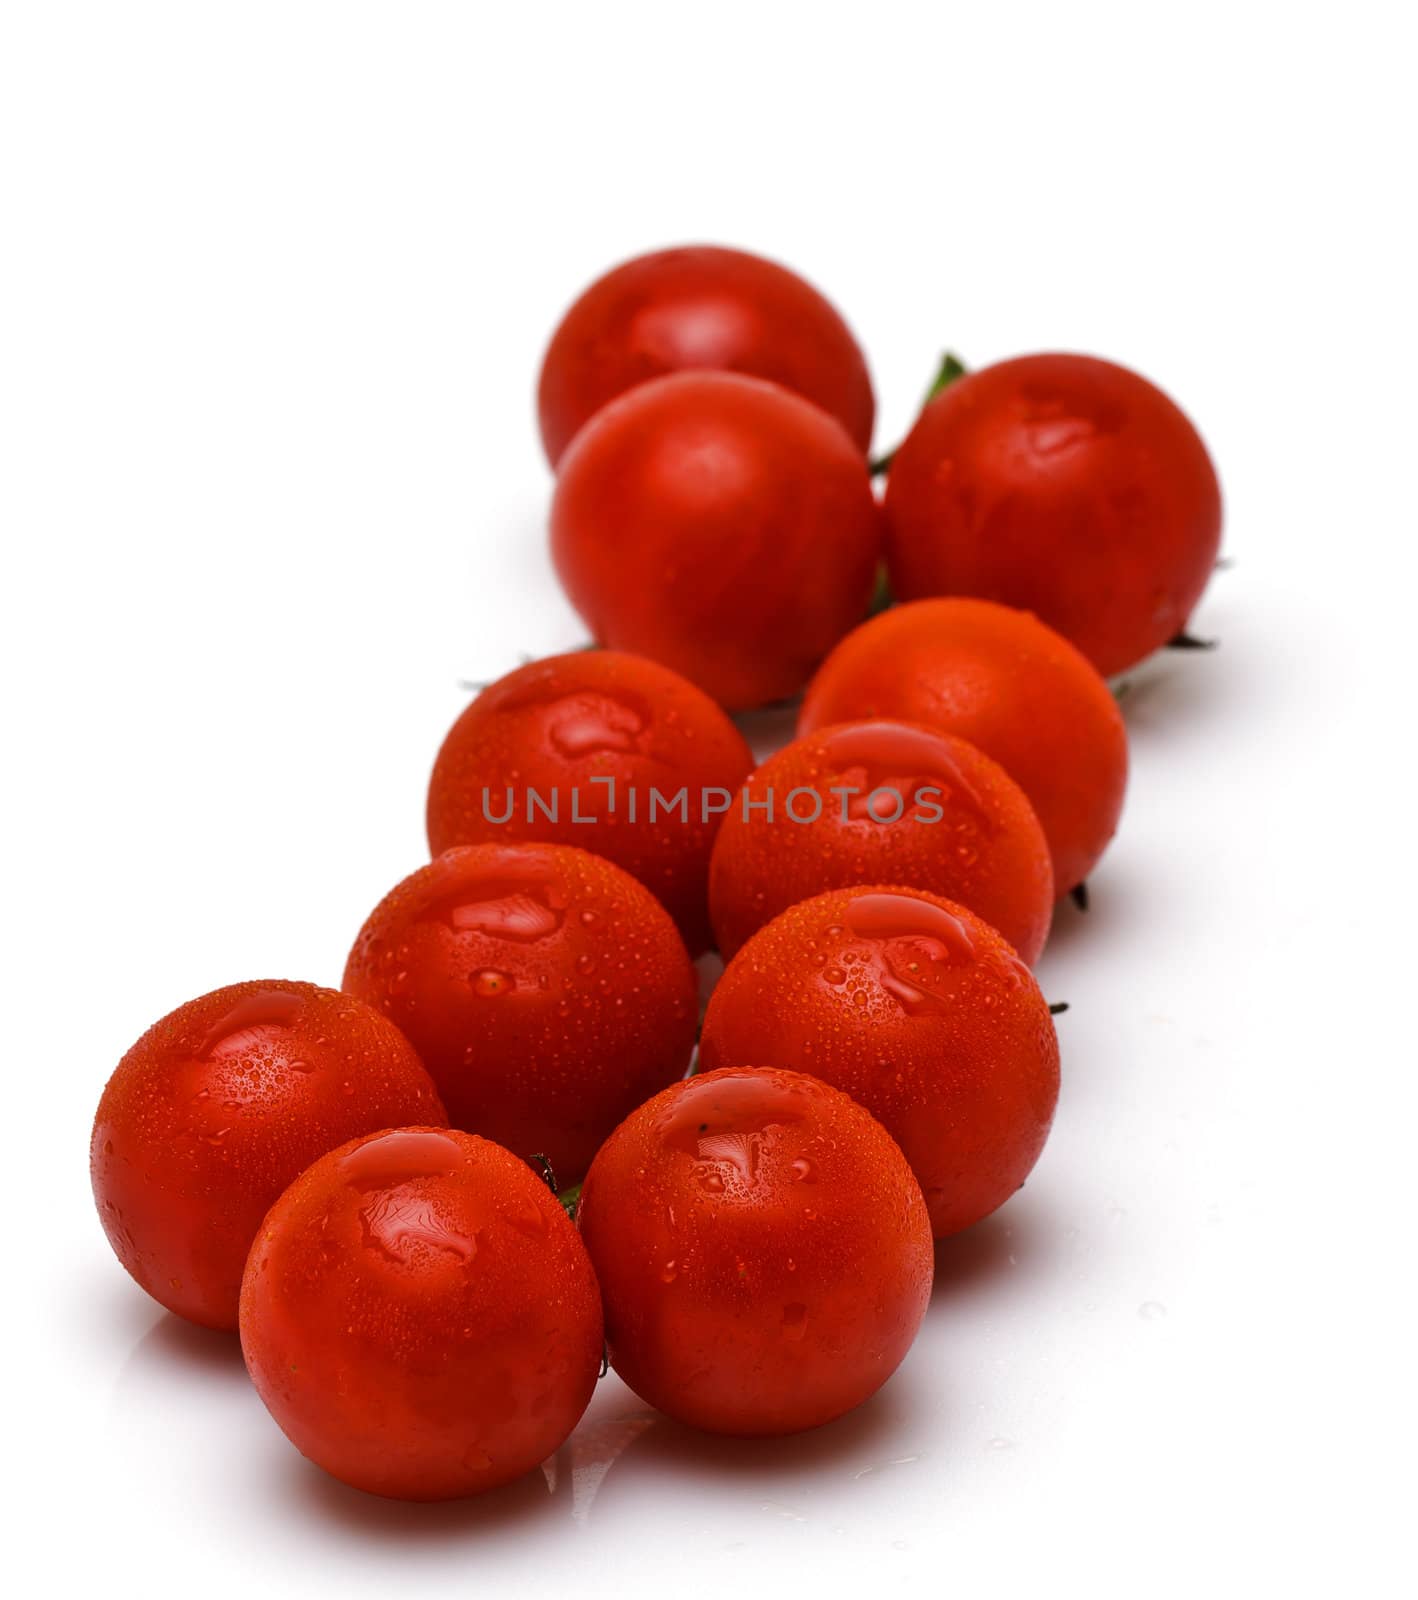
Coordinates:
213 1112
721 525
762 1248
1067 486
593 749
420 1317
918 1010
874 802
698 307
1011 686
546 990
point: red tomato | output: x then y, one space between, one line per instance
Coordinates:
721 525
694 308
420 1317
593 737
1012 687
918 1010
1067 486
762 1248
546 990
213 1112
867 802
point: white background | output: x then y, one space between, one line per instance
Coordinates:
274 286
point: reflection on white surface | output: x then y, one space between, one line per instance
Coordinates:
878 1466
182 1404
594 1449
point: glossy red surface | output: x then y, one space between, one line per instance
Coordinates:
1012 687
595 736
420 1317
893 802
1067 486
720 525
918 1010
546 990
695 307
763 1250
217 1108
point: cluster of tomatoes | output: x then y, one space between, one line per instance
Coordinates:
361 1181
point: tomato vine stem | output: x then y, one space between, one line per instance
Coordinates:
951 367
545 1171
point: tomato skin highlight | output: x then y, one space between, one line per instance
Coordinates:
546 990
700 306
763 1251
918 1010
419 1315
720 525
1010 685
965 831
1067 486
217 1108
568 728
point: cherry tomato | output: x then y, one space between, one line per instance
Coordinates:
1012 687
546 990
867 802
762 1248
591 749
213 1112
918 1010
420 1317
721 525
700 307
1067 486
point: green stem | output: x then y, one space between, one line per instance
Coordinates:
882 598
569 1198
951 367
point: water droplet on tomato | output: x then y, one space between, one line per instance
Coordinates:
399 1156
589 723
727 1125
245 1024
903 916
919 940
520 901
879 757
491 983
528 1220
398 1220
794 1323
